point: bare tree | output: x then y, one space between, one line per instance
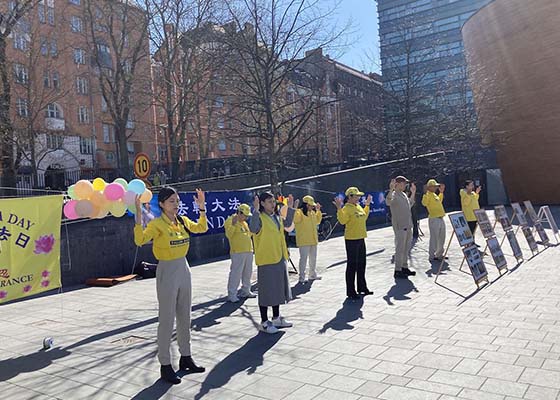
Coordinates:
117 35
11 13
272 98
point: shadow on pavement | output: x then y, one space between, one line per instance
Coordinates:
336 264
12 367
399 291
211 318
351 311
245 359
301 288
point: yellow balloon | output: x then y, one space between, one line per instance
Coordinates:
99 184
102 214
83 189
146 197
118 208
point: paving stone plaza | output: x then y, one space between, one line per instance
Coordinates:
412 339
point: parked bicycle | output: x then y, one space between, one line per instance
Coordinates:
326 228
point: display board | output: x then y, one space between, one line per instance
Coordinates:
461 229
497 253
502 217
475 263
484 223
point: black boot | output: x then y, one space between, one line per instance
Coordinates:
186 363
169 375
409 272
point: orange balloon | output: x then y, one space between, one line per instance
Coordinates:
83 189
98 199
146 197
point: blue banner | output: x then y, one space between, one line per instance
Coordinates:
219 206
378 207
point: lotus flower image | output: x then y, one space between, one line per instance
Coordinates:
44 244
27 288
45 283
45 274
3 294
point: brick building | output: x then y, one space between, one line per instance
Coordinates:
63 125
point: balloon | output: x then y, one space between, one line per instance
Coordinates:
84 208
113 191
122 182
99 184
70 209
97 199
137 186
129 198
83 189
71 192
102 214
146 196
118 208
132 209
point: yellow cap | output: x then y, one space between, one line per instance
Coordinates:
353 191
309 200
245 209
432 182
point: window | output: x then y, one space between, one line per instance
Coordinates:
110 157
219 103
86 146
54 48
221 123
79 56
127 67
129 123
50 15
22 108
83 115
55 141
21 74
46 79
21 41
82 85
42 13
76 24
222 145
103 104
130 147
44 47
232 146
55 77
75 2
103 48
53 111
108 133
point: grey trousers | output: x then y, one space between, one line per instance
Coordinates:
241 270
437 237
308 253
174 293
403 241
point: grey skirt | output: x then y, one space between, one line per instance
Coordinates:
274 286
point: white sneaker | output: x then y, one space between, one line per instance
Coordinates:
249 295
281 322
267 327
316 278
233 299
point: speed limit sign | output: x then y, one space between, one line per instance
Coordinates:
142 165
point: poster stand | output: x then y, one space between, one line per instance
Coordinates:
492 243
545 216
502 217
471 254
524 226
537 225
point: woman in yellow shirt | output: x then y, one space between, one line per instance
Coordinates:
306 219
469 203
354 218
170 233
271 255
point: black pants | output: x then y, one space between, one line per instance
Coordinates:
415 231
472 226
356 266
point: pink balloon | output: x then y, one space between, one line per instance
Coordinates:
129 198
70 210
113 192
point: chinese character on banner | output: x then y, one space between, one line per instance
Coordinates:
183 208
217 205
30 243
234 203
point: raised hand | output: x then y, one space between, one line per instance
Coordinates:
256 204
412 188
478 189
290 201
318 207
200 199
369 199
296 203
392 184
338 202
442 187
138 204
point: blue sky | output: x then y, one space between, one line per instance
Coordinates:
364 38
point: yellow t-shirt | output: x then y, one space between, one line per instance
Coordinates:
354 218
270 243
306 227
434 204
239 236
171 241
469 203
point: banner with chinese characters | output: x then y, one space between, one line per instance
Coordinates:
29 246
219 206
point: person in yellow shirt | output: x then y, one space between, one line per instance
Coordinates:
354 219
434 203
271 256
306 219
241 251
170 235
469 203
